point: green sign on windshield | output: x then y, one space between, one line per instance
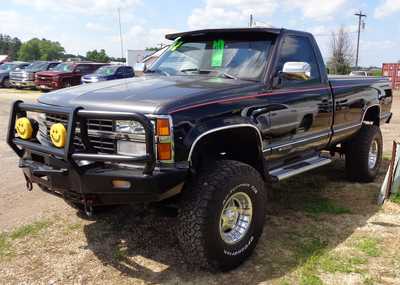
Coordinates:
218 53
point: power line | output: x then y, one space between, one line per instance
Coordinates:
360 16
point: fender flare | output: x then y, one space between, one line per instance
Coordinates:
214 130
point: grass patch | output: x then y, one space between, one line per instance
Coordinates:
28 230
120 253
315 258
74 227
335 263
395 198
309 254
310 280
324 206
369 246
5 246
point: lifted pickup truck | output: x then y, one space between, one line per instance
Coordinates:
217 118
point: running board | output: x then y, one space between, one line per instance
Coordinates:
298 167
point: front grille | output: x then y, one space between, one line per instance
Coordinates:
44 80
19 76
100 133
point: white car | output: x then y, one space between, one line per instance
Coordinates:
359 73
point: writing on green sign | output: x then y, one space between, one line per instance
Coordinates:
218 53
177 44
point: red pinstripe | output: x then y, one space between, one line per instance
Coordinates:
258 95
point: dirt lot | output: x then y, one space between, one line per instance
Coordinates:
320 229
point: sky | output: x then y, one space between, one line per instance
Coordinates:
93 24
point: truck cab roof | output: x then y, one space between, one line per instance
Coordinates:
205 32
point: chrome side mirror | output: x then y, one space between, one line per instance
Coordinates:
139 67
296 71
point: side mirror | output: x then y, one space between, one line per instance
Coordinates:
296 71
139 67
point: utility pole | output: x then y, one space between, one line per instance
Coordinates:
120 33
360 16
251 21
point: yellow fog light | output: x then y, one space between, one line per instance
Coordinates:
58 135
24 129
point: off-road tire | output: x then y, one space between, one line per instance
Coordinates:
357 154
199 215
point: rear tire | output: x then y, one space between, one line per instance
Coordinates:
364 154
222 215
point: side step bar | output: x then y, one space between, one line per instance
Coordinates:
298 167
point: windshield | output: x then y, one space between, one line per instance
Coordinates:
36 66
64 67
231 58
7 66
106 70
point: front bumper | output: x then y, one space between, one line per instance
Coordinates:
89 176
22 83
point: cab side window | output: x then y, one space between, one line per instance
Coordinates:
299 50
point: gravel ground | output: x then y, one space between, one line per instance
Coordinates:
320 229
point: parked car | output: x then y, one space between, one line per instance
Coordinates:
216 119
8 67
359 73
26 77
109 72
65 74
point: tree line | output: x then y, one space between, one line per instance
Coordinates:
43 49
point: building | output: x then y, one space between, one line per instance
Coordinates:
136 56
150 59
392 71
3 58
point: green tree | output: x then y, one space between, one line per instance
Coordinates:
9 46
36 49
152 49
97 56
342 53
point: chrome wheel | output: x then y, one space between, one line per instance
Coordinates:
373 154
235 218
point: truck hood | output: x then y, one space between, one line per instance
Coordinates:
147 94
52 73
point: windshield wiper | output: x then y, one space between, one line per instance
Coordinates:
200 71
227 75
207 71
157 71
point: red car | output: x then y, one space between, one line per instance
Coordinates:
65 74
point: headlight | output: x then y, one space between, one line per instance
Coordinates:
129 127
131 148
129 131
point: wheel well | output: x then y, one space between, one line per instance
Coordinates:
372 115
241 144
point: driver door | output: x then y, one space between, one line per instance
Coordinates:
302 118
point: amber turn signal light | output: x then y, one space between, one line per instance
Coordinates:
164 151
163 128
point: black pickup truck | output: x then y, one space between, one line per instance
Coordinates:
217 118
